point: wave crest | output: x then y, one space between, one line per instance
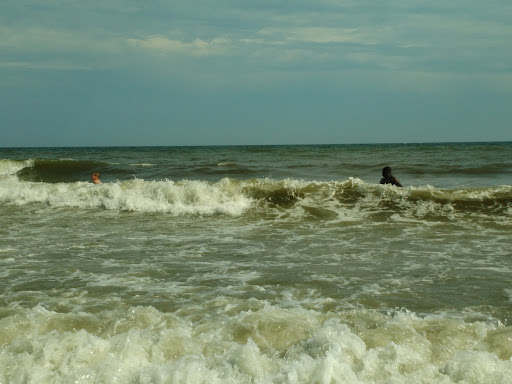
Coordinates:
347 199
177 198
11 167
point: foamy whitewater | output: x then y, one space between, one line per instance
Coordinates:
285 264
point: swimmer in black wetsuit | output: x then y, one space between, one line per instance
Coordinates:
388 178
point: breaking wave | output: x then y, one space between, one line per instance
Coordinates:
347 199
259 345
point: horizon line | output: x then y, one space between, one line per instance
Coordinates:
256 145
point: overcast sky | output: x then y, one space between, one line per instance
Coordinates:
223 72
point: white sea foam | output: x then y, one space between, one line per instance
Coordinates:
177 198
344 201
144 165
250 342
10 167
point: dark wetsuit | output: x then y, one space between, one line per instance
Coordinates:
390 180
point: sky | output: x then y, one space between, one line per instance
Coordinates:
226 72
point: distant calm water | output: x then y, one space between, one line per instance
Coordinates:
256 264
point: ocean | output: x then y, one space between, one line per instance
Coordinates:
256 264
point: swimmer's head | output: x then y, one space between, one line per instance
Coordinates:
386 171
96 177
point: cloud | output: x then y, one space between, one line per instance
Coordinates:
318 35
196 47
41 39
311 38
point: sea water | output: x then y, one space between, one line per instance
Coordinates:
272 264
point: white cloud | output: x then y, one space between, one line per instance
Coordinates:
197 47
